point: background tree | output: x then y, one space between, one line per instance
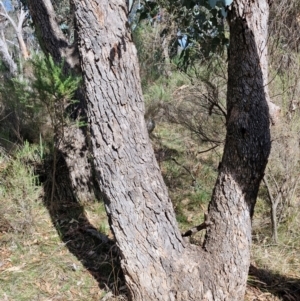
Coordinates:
7 19
73 147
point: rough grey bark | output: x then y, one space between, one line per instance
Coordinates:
52 39
157 263
74 145
247 144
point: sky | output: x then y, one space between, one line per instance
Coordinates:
7 5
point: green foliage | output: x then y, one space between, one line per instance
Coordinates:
39 101
34 103
21 115
19 185
150 53
202 25
51 83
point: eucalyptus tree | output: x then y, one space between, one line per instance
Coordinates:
16 20
157 263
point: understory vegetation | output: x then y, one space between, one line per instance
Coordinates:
62 250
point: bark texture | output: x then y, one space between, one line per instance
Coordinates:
246 149
52 39
74 145
157 263
137 201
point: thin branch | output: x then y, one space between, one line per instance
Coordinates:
207 150
6 15
215 103
198 228
268 189
276 184
17 28
6 57
6 116
275 202
12 43
184 168
21 18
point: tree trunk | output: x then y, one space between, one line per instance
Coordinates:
18 28
74 145
22 45
6 58
157 263
19 32
52 39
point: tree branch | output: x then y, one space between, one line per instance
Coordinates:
17 28
7 16
173 159
53 40
268 189
198 228
207 150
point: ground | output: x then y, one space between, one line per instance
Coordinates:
65 250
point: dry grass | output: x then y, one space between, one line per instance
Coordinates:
36 258
37 265
276 267
68 254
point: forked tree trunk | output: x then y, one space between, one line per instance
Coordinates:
157 264
74 145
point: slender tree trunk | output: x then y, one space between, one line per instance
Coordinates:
19 32
6 57
52 39
22 45
247 145
273 201
74 145
157 263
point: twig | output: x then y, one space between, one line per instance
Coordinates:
207 150
198 228
184 168
268 190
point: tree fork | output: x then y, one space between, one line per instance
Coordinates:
157 263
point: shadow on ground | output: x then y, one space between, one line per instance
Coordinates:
287 289
98 254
